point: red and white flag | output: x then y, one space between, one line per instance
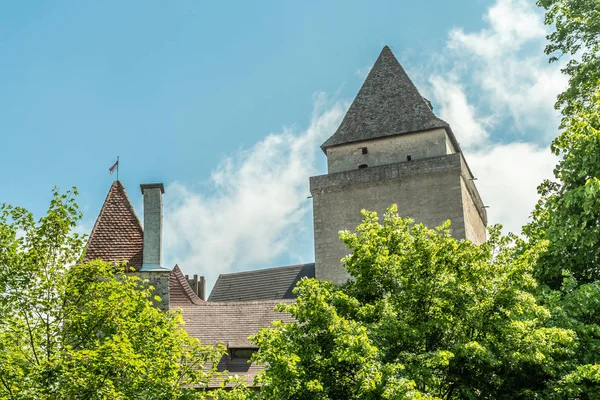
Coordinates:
112 169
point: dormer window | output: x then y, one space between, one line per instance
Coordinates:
239 357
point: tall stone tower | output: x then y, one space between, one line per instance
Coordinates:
391 149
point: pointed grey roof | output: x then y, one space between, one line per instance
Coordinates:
387 104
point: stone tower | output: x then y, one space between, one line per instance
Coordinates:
391 149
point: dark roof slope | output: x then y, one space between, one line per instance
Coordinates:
231 323
117 234
263 284
387 104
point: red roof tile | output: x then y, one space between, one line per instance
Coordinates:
118 234
180 292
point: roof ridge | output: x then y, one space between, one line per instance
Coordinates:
266 269
237 303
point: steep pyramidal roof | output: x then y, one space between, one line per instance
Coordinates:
118 234
387 104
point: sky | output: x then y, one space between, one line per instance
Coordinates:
227 103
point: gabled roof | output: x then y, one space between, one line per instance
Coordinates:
263 284
387 104
117 234
180 292
231 323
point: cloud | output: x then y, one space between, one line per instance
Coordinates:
362 73
507 179
508 173
256 204
498 93
498 80
456 110
506 64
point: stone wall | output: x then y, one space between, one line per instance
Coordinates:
429 190
474 214
388 150
160 281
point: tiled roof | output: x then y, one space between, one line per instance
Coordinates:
118 234
231 323
387 104
263 284
180 292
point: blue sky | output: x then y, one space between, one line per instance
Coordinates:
227 103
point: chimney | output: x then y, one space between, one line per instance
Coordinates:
202 288
198 286
152 226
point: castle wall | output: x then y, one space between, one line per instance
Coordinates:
388 150
474 214
428 190
160 281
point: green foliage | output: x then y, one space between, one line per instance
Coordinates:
567 217
576 34
74 331
568 213
424 317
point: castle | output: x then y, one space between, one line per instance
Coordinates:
389 148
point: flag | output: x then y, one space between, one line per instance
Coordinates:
112 169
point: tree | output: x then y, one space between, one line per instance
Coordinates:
424 317
568 213
567 216
85 331
576 35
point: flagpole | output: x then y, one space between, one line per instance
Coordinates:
117 167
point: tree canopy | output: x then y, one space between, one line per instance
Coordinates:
424 316
567 216
86 331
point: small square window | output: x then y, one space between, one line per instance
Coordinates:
364 150
408 158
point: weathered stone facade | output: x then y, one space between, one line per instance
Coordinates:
431 190
388 150
391 149
160 281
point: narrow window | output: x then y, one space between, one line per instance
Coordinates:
408 158
364 150
361 166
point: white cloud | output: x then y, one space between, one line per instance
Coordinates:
507 179
508 173
362 73
256 205
456 110
506 63
257 200
512 86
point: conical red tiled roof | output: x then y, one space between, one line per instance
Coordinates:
118 234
